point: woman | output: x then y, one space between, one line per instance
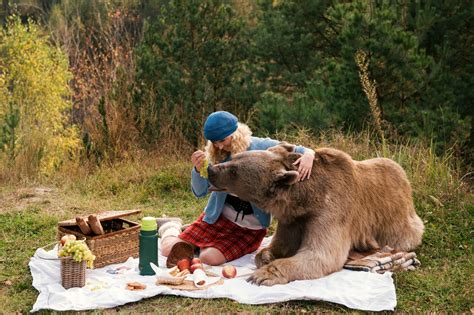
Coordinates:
229 227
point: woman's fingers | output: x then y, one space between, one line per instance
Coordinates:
303 173
199 165
197 157
297 162
304 167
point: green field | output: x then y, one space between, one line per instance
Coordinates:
158 186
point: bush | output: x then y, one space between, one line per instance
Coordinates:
34 102
191 62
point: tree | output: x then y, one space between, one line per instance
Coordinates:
323 68
192 61
34 100
444 31
291 40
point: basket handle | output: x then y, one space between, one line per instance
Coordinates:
44 248
54 243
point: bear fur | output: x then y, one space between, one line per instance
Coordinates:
344 205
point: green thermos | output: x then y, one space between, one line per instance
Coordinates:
148 246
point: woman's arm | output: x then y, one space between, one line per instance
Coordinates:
199 185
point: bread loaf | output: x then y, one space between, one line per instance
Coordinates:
95 225
83 226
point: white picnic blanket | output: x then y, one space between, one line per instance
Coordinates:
354 289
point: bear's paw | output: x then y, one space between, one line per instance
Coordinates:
267 275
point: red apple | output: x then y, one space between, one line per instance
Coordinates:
196 266
229 271
183 264
195 260
67 237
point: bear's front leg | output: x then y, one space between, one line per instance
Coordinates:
285 243
311 262
264 257
284 270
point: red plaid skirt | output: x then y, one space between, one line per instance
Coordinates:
231 240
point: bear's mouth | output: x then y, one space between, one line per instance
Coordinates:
216 189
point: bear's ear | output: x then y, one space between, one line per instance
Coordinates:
286 177
288 147
292 157
282 148
326 156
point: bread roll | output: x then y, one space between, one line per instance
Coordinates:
83 226
95 225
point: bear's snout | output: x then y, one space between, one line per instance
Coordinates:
212 176
211 172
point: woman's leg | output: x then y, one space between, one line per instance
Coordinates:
212 256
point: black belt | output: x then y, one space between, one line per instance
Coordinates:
239 205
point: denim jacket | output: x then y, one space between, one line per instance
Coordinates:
215 205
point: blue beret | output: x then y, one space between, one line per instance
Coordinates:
219 125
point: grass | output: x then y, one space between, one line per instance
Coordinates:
160 185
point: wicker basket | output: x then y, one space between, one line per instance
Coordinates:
73 273
119 242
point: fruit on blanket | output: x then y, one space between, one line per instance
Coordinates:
67 237
229 271
195 260
183 264
196 266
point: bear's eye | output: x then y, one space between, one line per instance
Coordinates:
233 172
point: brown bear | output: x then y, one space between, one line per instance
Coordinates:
345 205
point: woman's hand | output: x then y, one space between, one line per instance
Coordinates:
305 164
197 159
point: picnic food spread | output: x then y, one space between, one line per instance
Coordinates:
79 238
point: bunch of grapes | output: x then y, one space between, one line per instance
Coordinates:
79 251
203 170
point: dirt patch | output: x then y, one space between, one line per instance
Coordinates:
23 198
53 201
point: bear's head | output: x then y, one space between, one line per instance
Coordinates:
256 176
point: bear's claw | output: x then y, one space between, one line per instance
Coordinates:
267 275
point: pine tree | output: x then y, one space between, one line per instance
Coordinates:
191 61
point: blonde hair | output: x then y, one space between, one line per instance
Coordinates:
240 142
